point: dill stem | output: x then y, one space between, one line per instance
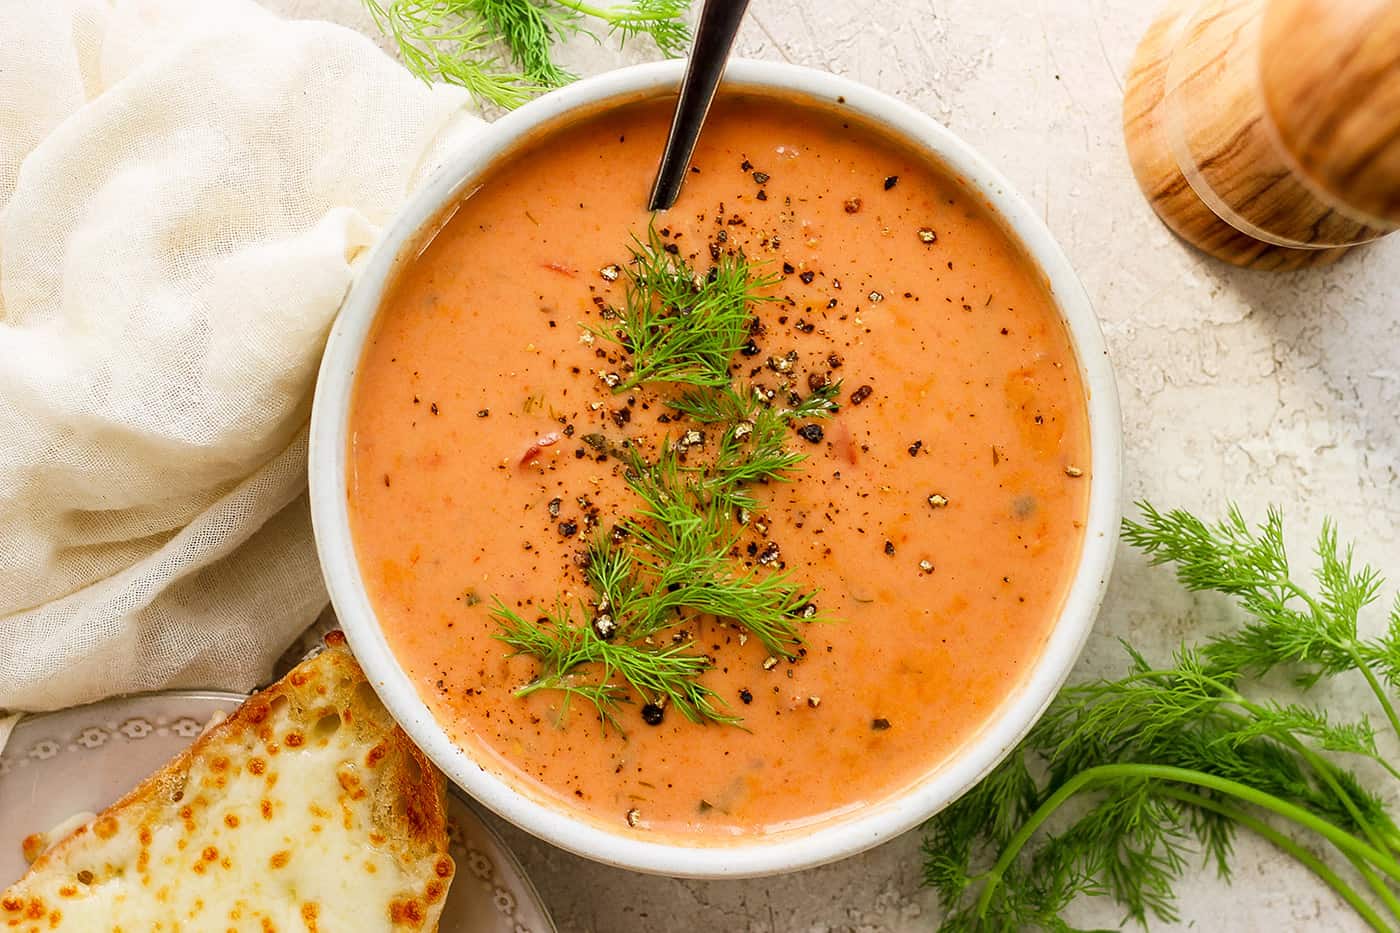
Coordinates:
1379 691
611 16
1314 864
1327 773
1349 646
1343 840
1323 769
1230 695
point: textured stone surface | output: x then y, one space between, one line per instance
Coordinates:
1252 387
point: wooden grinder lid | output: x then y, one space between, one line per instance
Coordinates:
1330 73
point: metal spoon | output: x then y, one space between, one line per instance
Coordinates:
714 37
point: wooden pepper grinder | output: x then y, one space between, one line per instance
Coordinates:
1267 132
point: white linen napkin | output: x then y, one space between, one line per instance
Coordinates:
186 190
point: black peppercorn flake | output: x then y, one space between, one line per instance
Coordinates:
746 165
834 361
784 363
749 348
788 268
891 181
879 725
553 507
807 277
568 528
818 381
745 696
769 554
915 447
762 195
653 714
889 548
861 394
812 433
761 177
621 416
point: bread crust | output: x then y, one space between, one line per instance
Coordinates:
321 696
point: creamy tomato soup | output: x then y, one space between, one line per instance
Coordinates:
938 514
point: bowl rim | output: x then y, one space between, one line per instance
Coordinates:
866 825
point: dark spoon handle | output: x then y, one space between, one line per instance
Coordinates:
714 37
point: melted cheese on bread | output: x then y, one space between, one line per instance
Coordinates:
307 810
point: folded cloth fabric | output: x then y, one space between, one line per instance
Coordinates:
186 190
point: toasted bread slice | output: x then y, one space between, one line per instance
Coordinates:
308 809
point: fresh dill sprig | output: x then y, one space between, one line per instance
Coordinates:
684 530
529 30
437 40
678 325
1176 757
672 563
457 41
661 20
752 448
661 673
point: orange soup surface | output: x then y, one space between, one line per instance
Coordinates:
939 514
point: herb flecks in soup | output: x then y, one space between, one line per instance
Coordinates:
938 514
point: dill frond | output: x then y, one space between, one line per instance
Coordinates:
661 20
672 562
460 41
1178 757
571 654
678 325
436 41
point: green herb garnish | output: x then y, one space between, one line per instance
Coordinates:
1188 751
657 573
460 41
679 325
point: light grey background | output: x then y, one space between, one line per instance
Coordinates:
1253 387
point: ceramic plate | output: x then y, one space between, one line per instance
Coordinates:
83 759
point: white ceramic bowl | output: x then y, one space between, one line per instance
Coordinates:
851 832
